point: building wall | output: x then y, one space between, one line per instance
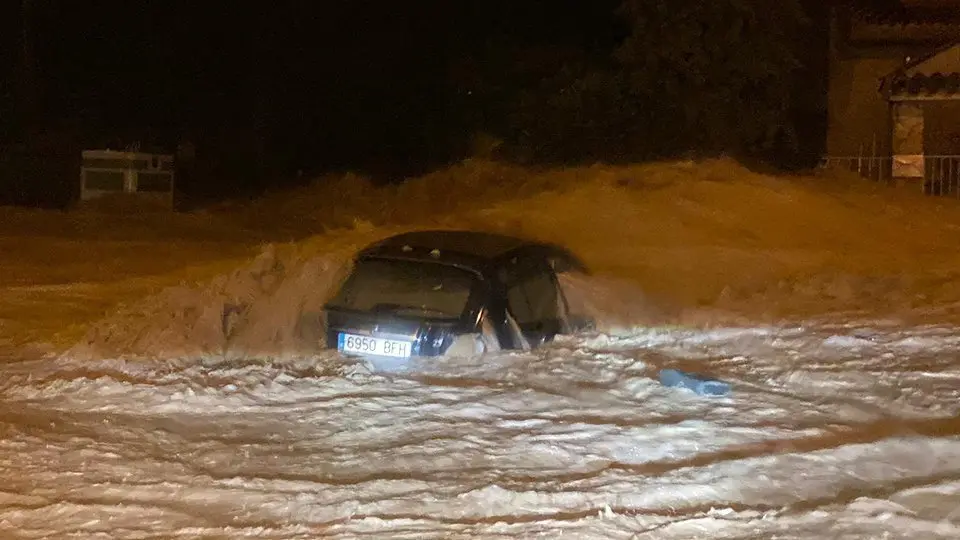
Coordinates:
858 113
861 54
947 61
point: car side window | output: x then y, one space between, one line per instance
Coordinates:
532 296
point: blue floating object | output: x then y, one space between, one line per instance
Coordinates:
703 386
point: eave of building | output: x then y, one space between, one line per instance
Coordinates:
903 13
932 77
863 23
903 34
924 97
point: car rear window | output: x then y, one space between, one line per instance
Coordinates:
406 288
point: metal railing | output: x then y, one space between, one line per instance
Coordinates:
942 176
933 175
877 169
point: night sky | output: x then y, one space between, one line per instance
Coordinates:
315 85
335 82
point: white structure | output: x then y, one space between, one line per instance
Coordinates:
147 177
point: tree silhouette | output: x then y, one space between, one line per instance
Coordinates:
27 68
708 77
713 75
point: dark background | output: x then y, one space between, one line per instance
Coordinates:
266 91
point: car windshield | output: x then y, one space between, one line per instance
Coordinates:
406 288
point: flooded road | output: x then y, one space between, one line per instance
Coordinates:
831 430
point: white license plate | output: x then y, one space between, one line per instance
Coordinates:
350 343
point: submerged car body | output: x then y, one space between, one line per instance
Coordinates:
432 293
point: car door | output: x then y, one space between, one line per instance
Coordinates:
534 299
564 263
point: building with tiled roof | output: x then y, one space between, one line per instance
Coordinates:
895 83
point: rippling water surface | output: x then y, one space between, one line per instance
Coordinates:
831 430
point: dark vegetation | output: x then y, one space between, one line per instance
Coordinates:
272 93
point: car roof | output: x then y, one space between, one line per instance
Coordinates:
481 245
469 249
465 248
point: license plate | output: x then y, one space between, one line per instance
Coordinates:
354 344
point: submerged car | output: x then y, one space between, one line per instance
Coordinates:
433 293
